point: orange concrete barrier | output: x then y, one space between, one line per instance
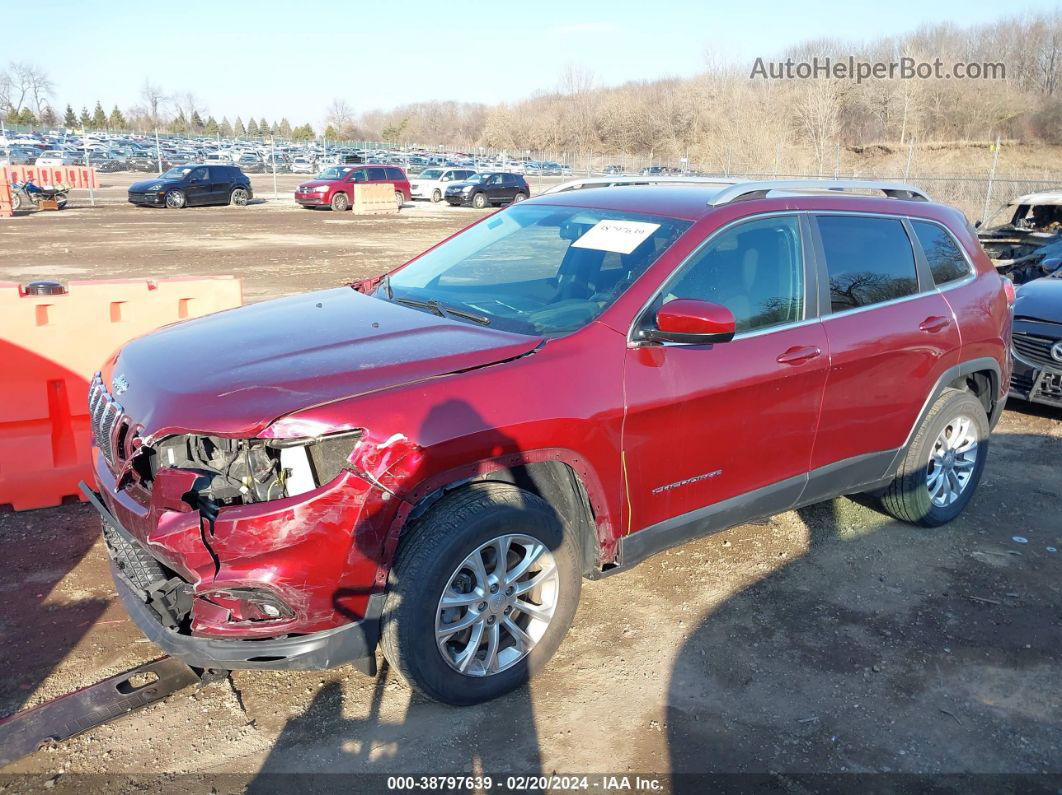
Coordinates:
50 346
74 176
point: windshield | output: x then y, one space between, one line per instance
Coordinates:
336 172
537 269
430 173
180 172
476 178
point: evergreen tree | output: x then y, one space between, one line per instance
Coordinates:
11 117
275 129
70 119
263 126
285 128
238 129
99 118
226 128
84 119
116 120
252 128
303 133
27 118
179 123
212 126
330 132
197 121
48 117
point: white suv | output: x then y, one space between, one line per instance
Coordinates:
431 182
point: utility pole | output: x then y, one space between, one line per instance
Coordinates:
273 146
158 152
991 179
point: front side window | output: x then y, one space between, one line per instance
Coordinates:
335 172
536 269
943 254
754 269
869 260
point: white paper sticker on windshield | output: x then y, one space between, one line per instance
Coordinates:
622 237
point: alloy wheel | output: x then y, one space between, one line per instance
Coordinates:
497 605
952 461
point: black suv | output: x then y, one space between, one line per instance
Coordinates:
193 183
492 187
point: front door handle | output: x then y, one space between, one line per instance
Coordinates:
799 354
934 323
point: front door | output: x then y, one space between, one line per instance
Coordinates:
197 186
717 434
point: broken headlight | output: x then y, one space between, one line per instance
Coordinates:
241 471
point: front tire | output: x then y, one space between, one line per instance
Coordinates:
436 196
479 201
16 202
943 463
175 200
340 202
481 594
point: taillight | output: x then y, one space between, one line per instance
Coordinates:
1008 288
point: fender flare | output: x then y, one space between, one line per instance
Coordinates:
427 491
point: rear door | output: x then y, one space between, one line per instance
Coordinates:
221 179
891 336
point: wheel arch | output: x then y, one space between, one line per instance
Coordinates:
559 477
980 376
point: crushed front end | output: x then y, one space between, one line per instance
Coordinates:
246 552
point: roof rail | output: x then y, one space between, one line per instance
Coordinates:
744 191
614 181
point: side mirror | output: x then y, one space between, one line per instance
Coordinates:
690 322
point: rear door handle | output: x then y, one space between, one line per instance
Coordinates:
935 323
799 354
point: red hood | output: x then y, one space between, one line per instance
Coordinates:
234 372
313 183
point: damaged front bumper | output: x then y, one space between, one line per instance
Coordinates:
352 643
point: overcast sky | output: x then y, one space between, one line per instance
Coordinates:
277 58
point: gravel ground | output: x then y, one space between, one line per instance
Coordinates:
831 639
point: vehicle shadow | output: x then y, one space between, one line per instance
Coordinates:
390 735
885 648
43 449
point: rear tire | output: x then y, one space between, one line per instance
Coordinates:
400 199
16 202
943 464
340 202
519 197
239 197
434 561
61 199
479 201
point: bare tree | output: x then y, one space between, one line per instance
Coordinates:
154 98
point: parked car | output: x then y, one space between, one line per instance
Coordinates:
486 189
142 162
250 164
1037 341
193 184
435 458
334 187
302 165
56 157
432 182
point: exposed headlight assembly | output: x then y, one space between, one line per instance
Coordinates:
241 471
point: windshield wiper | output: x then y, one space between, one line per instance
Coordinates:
442 310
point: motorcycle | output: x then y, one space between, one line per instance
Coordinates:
27 192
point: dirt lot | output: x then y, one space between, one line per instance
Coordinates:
831 639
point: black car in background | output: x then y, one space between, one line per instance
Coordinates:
492 187
192 184
1036 344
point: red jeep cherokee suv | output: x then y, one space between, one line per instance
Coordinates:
433 459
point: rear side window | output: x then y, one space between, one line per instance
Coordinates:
869 260
943 254
395 173
377 175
